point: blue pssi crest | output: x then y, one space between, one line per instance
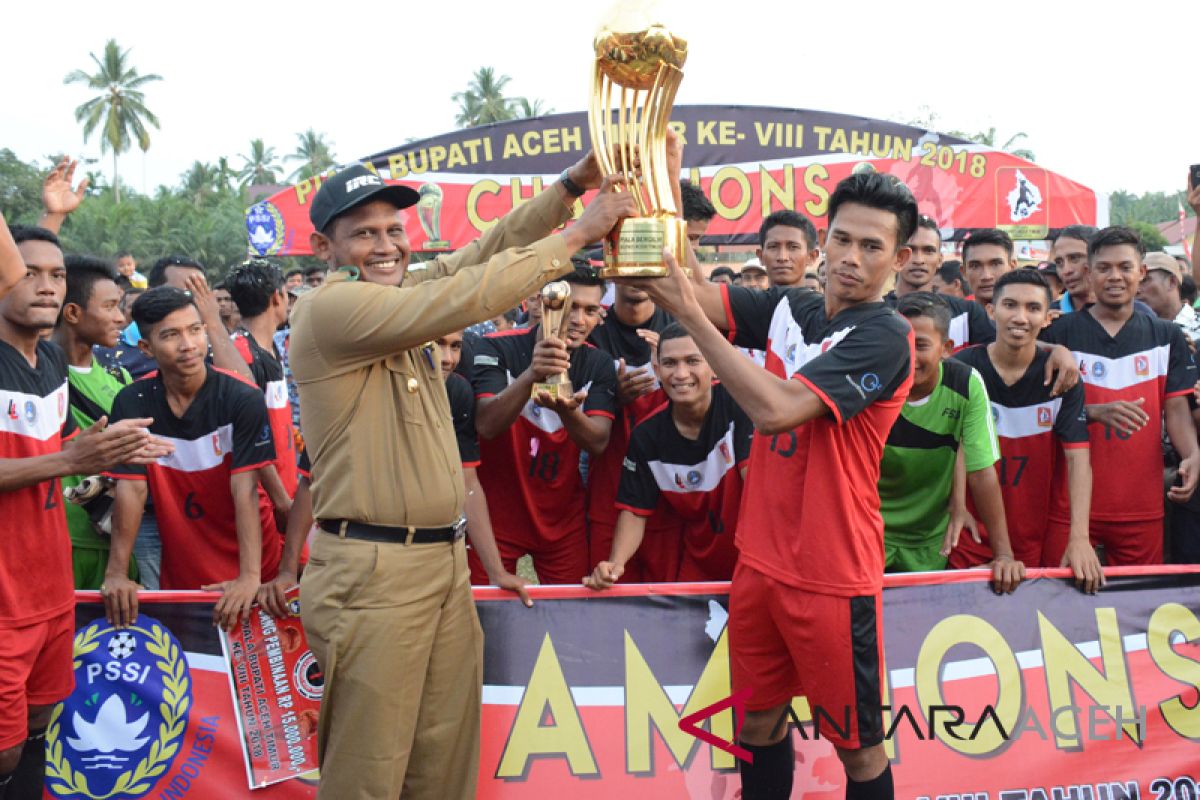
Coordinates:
122 727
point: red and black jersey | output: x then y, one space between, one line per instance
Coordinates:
969 322
698 478
1148 359
462 412
531 472
36 578
267 369
810 508
223 432
1032 428
621 341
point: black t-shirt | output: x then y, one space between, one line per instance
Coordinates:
462 411
622 341
969 321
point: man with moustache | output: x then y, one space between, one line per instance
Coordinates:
787 247
402 651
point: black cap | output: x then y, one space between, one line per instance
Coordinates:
351 187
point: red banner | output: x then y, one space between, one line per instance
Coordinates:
1047 694
749 160
277 687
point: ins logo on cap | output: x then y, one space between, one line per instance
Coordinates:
354 184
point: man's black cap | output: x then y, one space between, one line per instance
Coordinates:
351 187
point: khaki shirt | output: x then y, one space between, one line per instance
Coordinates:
373 404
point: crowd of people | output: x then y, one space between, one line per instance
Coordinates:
165 432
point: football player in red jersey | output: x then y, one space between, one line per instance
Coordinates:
805 602
37 603
1137 372
217 529
1045 473
530 447
690 453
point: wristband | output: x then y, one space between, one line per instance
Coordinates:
571 186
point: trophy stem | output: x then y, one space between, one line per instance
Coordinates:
596 107
648 130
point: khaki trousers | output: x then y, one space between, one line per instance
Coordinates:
395 632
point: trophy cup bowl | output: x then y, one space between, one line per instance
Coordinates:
556 310
639 65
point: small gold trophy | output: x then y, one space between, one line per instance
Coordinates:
556 312
641 62
429 214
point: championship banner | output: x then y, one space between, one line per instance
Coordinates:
1046 694
749 160
277 686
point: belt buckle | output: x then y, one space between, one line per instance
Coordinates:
460 528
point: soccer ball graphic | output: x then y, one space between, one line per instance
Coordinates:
122 645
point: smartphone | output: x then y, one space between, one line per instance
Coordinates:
1194 176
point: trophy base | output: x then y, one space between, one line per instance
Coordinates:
555 390
634 248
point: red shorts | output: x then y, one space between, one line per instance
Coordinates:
1045 550
1128 544
36 671
785 642
564 560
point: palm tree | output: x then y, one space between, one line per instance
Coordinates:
988 138
200 181
313 153
484 100
261 165
527 110
120 107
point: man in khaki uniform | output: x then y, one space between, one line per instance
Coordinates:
386 598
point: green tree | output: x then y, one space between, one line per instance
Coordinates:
1152 237
260 166
988 138
200 182
1125 208
314 153
526 109
20 189
484 102
119 110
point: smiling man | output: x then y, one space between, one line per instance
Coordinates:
402 652
1138 373
531 446
969 323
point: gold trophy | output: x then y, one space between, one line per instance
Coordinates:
556 312
429 214
638 69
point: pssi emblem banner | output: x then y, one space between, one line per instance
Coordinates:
749 160
1047 694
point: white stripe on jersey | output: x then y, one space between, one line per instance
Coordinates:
786 340
35 417
1022 421
197 455
702 477
276 394
1126 371
960 330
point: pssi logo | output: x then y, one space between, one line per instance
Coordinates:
1044 417
1141 365
122 727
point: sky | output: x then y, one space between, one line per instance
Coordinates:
1104 91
